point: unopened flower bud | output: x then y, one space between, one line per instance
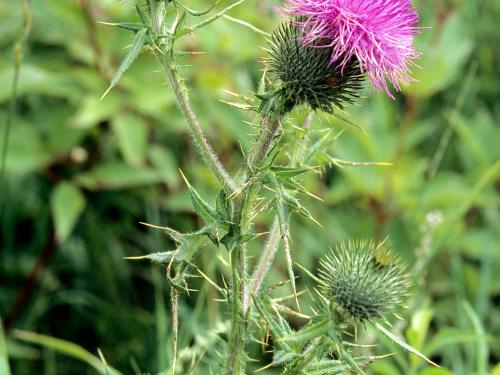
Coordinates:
363 279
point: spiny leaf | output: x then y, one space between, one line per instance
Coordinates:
284 218
352 362
223 206
284 172
310 331
135 26
327 367
246 24
262 83
210 19
160 257
321 145
201 207
141 14
196 13
293 185
294 203
281 357
401 343
172 233
189 246
277 325
178 24
137 44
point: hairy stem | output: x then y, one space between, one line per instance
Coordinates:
199 139
240 299
265 261
235 364
271 248
265 140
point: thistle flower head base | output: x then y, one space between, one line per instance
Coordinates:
305 74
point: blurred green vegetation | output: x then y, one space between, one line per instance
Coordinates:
81 173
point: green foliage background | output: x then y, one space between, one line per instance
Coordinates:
81 174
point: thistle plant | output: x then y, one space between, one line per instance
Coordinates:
316 59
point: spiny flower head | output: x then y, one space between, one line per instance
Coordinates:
364 280
379 33
305 75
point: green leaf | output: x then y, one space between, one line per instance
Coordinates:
163 257
278 326
210 19
310 331
165 163
133 26
442 59
285 172
327 367
137 44
189 246
385 367
320 147
36 80
91 110
247 25
201 207
482 349
4 358
435 371
282 356
132 135
67 203
401 343
117 175
451 336
196 13
223 206
417 332
346 356
67 348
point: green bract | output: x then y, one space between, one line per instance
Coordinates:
305 74
363 279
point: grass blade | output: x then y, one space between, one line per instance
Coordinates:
67 348
4 358
482 351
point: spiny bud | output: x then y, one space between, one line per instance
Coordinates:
305 74
363 279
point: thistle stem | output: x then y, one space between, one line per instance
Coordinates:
199 139
265 261
264 142
240 299
235 364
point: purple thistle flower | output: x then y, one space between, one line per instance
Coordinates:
378 32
